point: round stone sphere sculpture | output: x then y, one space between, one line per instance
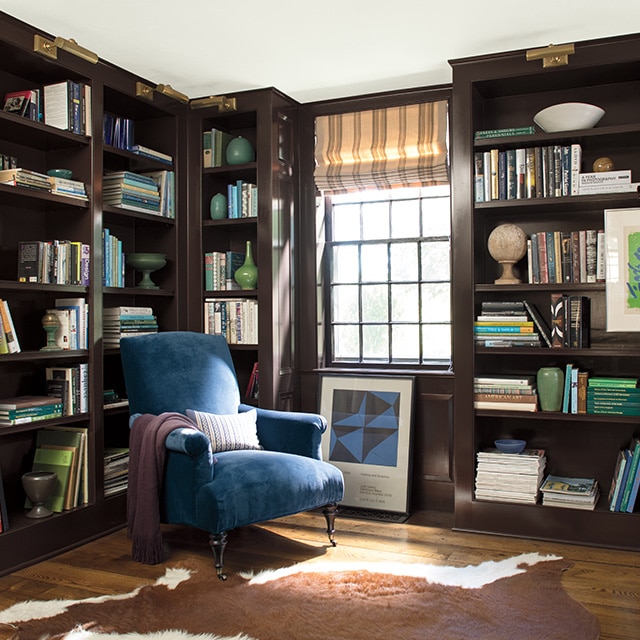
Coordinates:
507 245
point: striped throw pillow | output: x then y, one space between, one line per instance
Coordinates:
228 432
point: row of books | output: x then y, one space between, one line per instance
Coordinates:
7 161
71 384
64 450
116 470
64 105
29 408
570 321
550 171
9 342
113 260
234 318
566 256
612 396
623 493
214 147
122 322
242 200
118 131
54 262
219 267
252 391
505 393
72 332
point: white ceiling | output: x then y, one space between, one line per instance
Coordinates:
314 50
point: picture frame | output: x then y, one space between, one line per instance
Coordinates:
622 265
369 437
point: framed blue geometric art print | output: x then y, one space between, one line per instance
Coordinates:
369 437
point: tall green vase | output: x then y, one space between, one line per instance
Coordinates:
550 382
247 275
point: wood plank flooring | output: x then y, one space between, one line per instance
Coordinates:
605 581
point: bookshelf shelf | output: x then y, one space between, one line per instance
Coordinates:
579 445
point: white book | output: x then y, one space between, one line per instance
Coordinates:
605 177
613 187
56 105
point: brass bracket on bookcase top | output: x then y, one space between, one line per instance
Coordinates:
50 48
555 55
168 90
144 90
222 102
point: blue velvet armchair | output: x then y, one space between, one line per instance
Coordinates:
181 371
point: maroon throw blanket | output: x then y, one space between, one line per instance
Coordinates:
146 467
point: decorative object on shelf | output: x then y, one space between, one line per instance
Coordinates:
507 245
67 174
550 382
568 116
239 151
38 486
50 323
603 164
247 275
146 264
218 207
510 446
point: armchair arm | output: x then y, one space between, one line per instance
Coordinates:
189 455
290 432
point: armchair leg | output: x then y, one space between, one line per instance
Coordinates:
217 542
329 513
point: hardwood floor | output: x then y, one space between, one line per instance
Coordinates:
605 581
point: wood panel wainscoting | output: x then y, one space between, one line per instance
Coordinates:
605 581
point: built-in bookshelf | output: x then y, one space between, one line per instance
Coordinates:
259 197
503 92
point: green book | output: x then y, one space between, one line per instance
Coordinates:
627 383
633 470
60 461
508 131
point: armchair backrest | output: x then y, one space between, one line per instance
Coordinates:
179 370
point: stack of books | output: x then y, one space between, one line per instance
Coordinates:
625 483
123 322
572 493
505 393
25 178
67 187
132 191
510 477
116 470
25 409
505 324
613 396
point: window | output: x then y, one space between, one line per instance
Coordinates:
387 277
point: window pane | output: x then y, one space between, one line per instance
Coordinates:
404 262
436 342
375 303
346 343
344 264
375 220
436 261
436 217
436 302
405 342
404 303
375 263
346 222
345 303
405 219
375 342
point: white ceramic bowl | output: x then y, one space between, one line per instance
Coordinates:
568 116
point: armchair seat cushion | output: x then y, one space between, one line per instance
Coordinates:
253 486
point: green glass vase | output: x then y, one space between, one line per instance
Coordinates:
550 382
247 275
218 207
239 151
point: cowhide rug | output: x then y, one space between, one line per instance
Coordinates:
519 598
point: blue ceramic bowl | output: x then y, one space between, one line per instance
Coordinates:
60 173
510 446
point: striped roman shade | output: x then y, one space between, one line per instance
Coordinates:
382 148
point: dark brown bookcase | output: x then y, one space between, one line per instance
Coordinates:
506 90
